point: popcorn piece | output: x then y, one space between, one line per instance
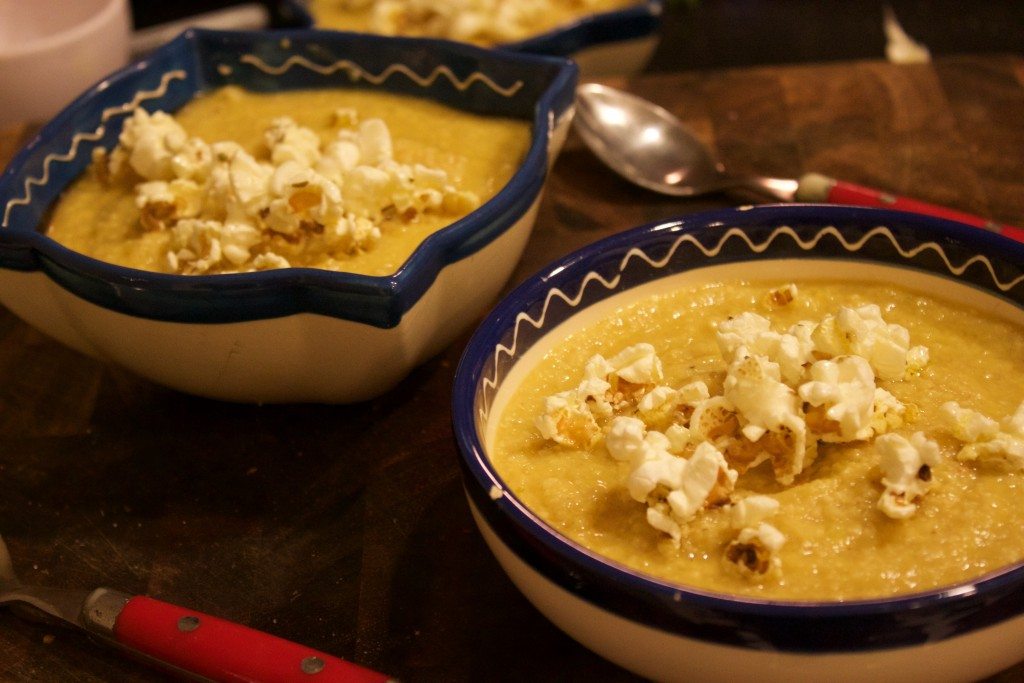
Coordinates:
744 330
663 404
459 201
608 387
345 116
752 510
366 188
147 144
843 391
567 420
679 438
339 157
659 399
917 359
889 413
985 440
289 142
752 332
161 204
968 425
269 261
238 187
676 489
198 245
637 364
713 419
906 472
782 296
193 161
620 383
753 385
1005 450
717 421
303 201
755 551
628 439
1014 424
374 142
625 439
862 331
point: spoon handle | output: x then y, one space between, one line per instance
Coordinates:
814 187
199 645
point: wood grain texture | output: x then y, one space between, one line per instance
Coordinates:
345 527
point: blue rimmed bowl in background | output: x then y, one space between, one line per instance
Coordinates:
296 334
667 631
614 43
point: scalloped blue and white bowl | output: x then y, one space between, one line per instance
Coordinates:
667 631
296 334
615 43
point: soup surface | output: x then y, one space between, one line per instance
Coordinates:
846 523
469 21
340 179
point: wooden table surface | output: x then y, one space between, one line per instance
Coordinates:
345 527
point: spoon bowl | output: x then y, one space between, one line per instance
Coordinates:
650 147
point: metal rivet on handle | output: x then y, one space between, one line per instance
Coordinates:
312 665
189 623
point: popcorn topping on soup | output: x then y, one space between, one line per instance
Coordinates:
239 181
225 210
776 443
484 22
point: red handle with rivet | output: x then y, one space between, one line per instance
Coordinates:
224 651
814 187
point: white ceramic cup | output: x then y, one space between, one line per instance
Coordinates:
52 50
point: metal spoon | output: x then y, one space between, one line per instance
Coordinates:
650 147
186 642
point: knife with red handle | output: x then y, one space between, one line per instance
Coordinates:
814 187
201 646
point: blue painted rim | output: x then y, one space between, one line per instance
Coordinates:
544 96
803 627
636 21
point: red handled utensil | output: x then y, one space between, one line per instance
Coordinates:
814 187
648 146
187 642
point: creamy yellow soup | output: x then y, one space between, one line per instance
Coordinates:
479 154
481 23
839 545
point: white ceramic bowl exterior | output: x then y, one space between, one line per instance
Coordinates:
663 656
292 334
303 357
667 631
622 59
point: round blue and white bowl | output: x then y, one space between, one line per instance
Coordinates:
667 631
618 42
294 334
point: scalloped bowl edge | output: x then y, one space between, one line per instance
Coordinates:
284 354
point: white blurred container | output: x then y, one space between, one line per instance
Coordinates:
52 50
